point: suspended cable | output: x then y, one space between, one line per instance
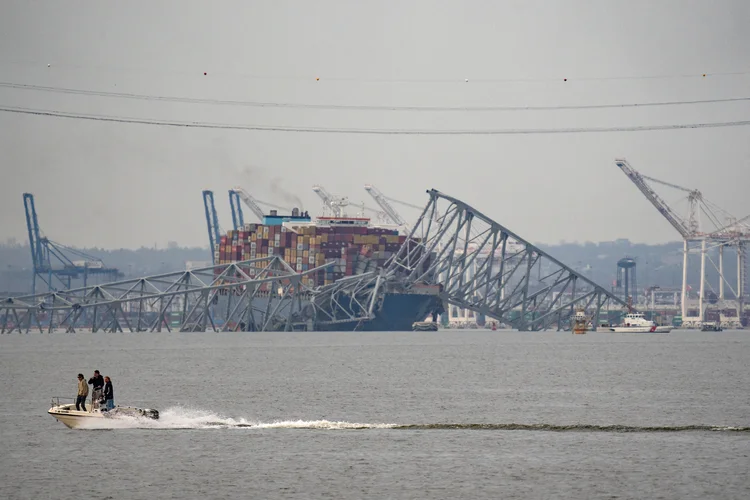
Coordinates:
203 72
356 107
411 205
273 128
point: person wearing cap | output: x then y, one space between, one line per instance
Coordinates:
97 383
83 391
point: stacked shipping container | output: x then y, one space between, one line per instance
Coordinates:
353 250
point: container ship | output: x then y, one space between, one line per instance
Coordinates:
353 244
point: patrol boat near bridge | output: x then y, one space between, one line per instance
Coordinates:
635 322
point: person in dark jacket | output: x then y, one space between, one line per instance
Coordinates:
97 382
109 394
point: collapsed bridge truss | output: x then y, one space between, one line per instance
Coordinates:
253 295
471 261
485 267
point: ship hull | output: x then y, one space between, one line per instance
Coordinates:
634 329
398 314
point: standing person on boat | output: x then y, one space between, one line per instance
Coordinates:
97 382
83 391
109 393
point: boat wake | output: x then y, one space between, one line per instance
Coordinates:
185 418
577 427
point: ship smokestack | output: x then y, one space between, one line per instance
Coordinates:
295 212
273 213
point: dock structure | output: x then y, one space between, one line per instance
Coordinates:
718 231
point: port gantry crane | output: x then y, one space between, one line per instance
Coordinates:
53 262
735 233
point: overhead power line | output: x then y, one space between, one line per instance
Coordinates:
320 130
356 107
450 79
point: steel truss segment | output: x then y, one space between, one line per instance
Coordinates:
484 266
185 300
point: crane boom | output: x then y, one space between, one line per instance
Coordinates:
676 221
383 203
212 222
334 203
35 240
250 202
238 218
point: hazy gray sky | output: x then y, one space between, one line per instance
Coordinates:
126 185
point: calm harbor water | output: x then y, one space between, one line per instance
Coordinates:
449 414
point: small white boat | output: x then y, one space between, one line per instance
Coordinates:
635 322
68 415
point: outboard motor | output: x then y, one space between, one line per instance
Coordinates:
149 413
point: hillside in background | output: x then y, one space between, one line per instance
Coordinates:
15 263
656 264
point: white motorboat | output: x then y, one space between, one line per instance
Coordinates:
635 322
68 415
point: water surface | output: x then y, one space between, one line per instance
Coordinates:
449 414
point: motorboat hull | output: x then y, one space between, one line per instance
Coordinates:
72 418
633 329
